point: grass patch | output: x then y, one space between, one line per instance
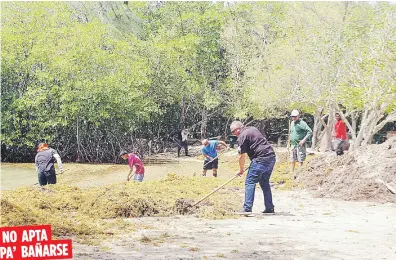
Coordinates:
96 212
91 214
145 239
281 176
105 248
220 255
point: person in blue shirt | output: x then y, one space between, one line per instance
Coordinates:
209 150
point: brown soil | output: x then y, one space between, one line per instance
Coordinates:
358 175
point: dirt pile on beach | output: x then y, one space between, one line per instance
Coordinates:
368 173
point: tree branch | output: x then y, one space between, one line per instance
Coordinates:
390 118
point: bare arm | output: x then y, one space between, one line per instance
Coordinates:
130 174
223 144
207 156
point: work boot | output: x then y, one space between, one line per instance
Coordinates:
269 211
203 174
214 174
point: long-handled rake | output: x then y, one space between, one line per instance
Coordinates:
218 188
216 157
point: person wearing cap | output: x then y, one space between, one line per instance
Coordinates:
299 134
134 160
262 156
340 134
209 150
45 159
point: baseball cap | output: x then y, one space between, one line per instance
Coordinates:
295 113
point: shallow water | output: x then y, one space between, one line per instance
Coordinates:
14 175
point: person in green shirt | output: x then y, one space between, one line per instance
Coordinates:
299 134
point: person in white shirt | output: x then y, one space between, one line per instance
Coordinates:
183 144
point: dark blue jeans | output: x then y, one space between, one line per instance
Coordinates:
259 172
47 177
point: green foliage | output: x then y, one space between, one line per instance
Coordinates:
115 71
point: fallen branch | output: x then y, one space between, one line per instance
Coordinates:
390 188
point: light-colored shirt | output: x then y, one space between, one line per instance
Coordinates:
184 134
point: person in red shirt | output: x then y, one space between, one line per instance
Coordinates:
340 135
134 160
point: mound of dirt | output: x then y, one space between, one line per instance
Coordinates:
368 173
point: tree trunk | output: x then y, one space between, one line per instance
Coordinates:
330 123
317 127
359 138
326 140
182 113
226 128
78 144
204 123
354 121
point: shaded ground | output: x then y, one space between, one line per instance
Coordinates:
305 228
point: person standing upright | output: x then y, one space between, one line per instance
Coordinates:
299 134
45 159
340 134
181 140
262 156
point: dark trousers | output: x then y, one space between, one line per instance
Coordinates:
259 172
182 144
47 177
340 146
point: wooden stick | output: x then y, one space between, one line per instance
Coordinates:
390 188
218 188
